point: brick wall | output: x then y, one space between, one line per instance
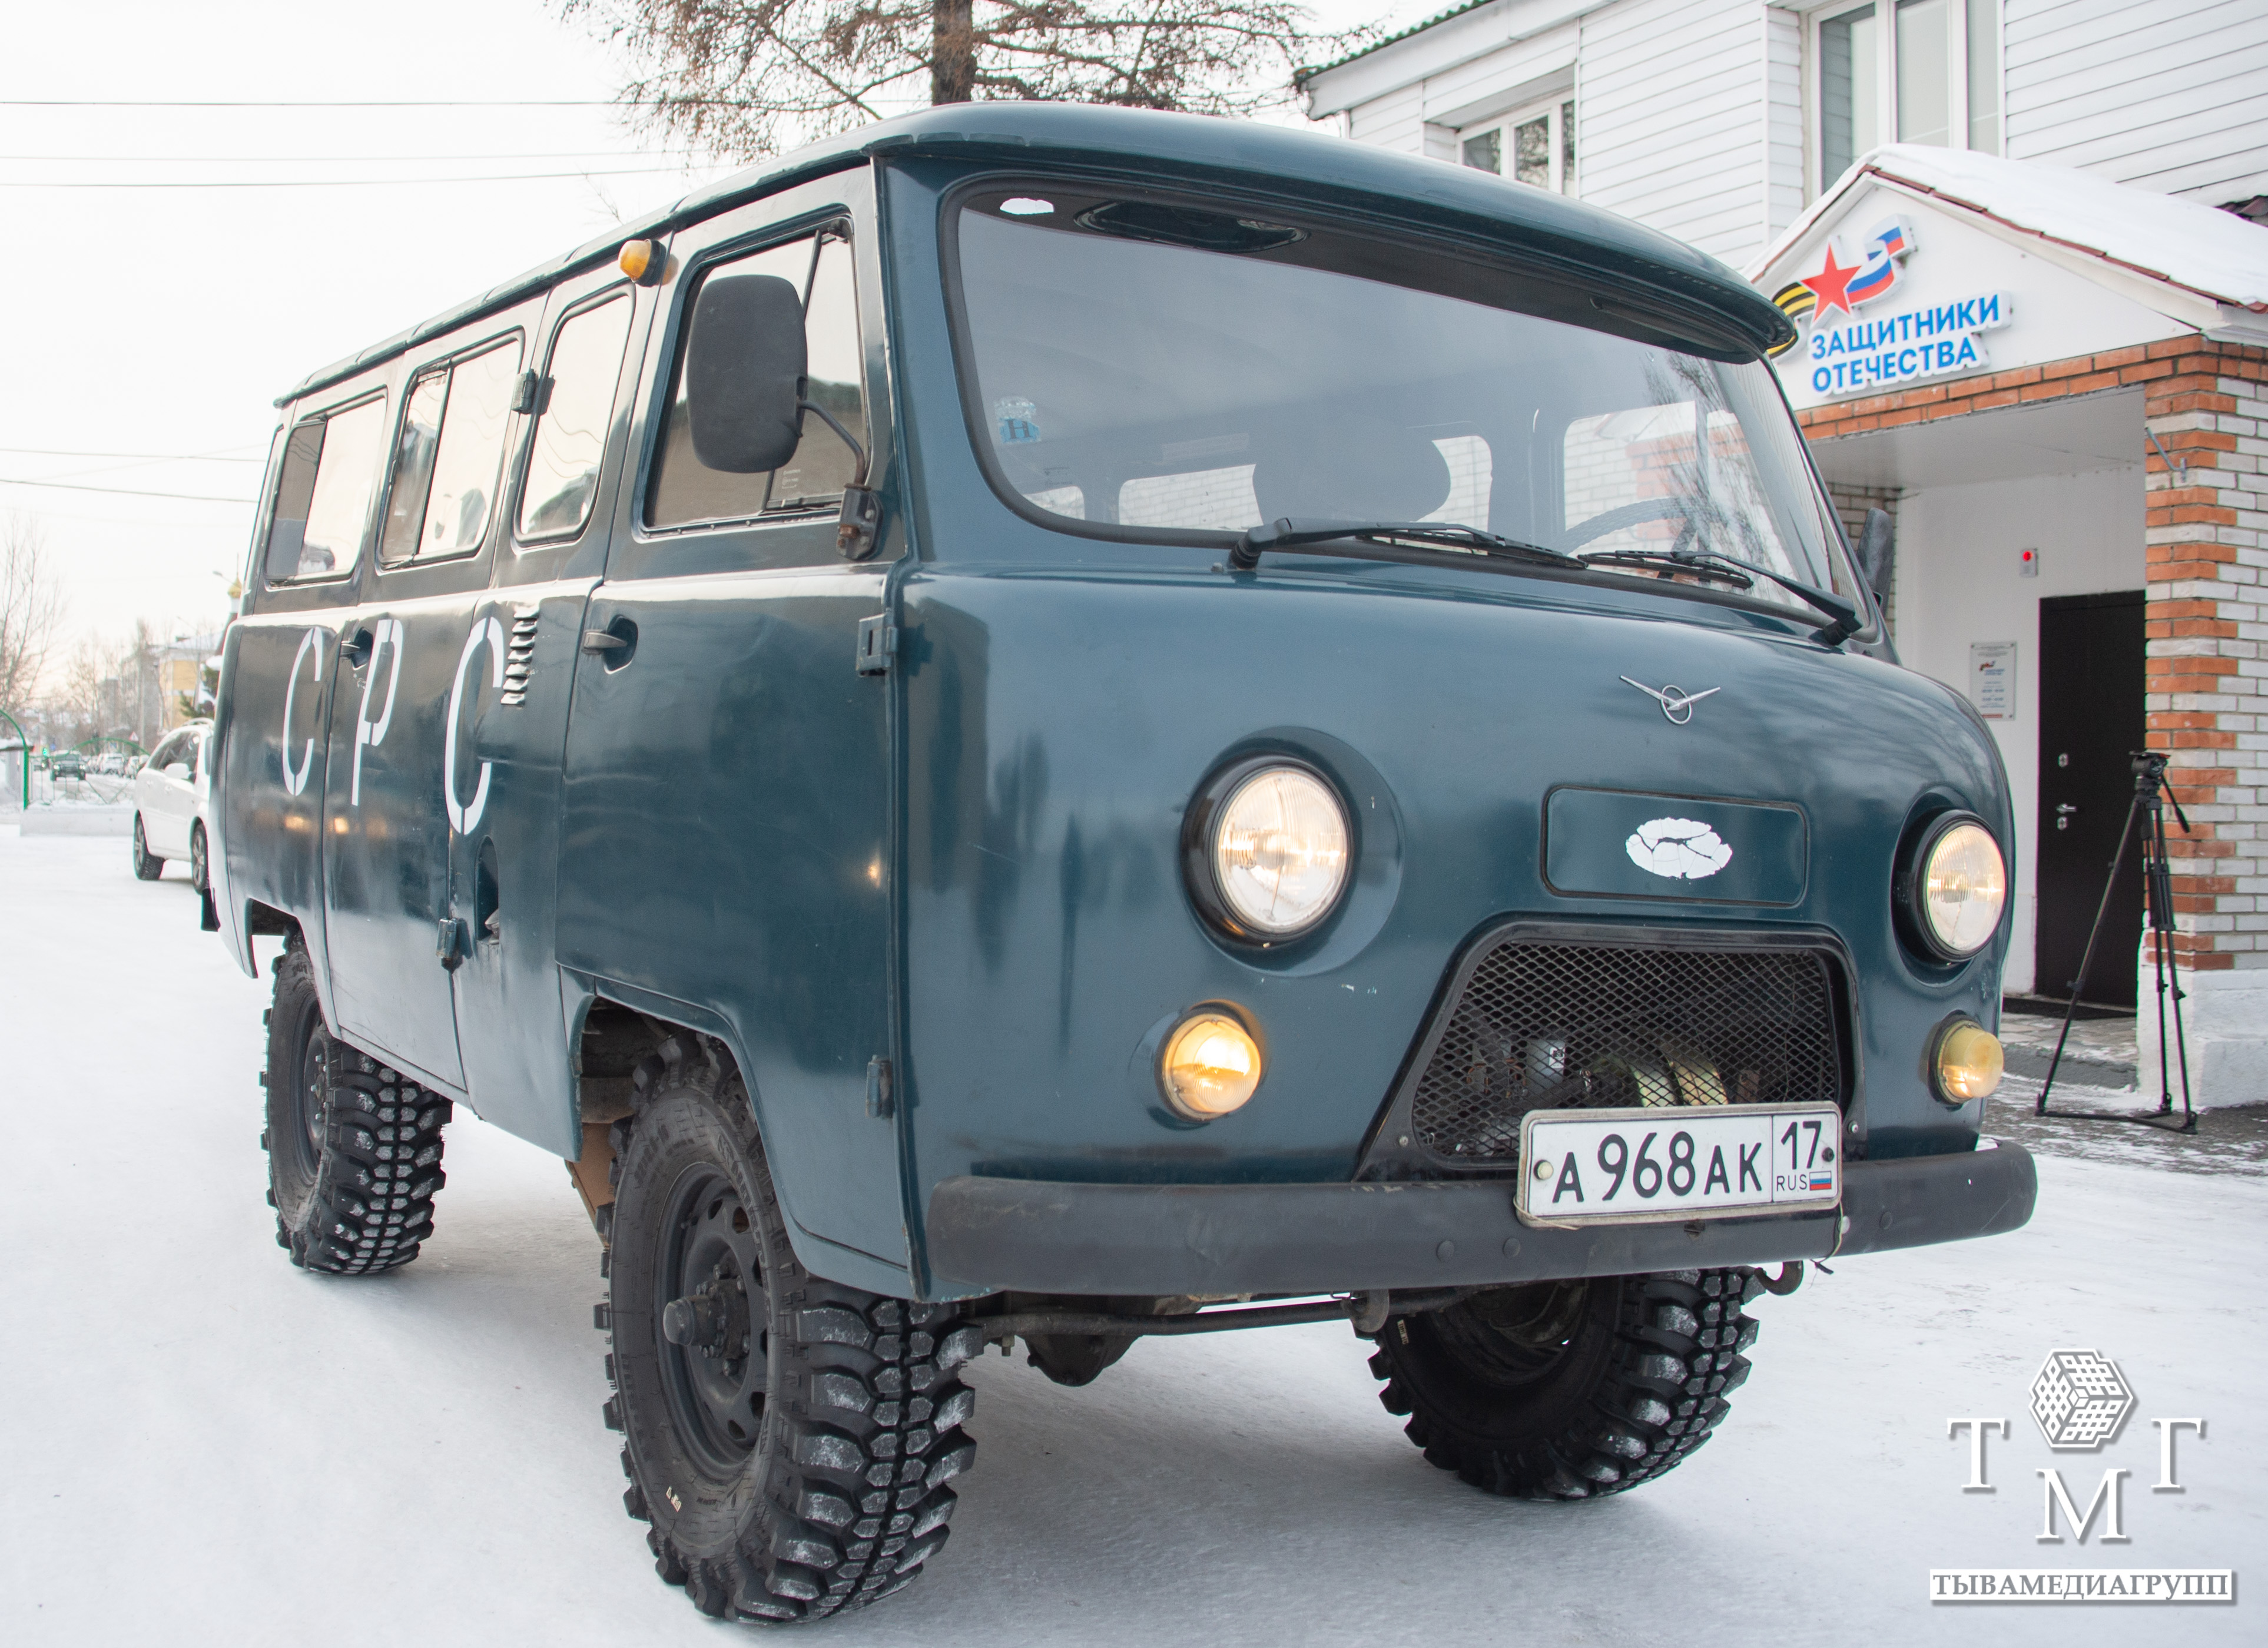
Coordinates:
2207 409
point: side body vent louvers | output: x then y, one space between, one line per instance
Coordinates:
519 655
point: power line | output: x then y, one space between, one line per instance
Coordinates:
331 103
511 177
65 486
546 154
58 452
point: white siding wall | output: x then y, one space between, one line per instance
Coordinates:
1671 119
2166 94
1395 121
1784 190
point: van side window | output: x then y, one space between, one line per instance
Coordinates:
570 436
685 491
448 458
322 494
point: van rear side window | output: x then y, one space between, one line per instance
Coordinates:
323 492
448 458
571 437
686 492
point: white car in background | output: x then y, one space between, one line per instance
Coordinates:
172 798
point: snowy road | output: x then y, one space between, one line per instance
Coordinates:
201 1445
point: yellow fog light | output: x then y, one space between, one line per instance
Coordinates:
1968 1063
1209 1067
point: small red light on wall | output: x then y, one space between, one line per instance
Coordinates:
2028 563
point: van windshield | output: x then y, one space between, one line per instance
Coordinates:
1162 371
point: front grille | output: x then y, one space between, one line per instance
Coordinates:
1542 1025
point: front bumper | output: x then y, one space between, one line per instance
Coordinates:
1040 1236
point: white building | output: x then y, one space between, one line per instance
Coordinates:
2027 332
1720 121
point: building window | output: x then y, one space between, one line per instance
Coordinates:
1536 146
1918 71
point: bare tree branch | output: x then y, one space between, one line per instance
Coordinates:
31 610
740 78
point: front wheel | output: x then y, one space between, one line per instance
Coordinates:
1566 1390
147 866
789 1440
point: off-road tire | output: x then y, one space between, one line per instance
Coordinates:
354 1148
835 1490
200 866
147 866
1569 1390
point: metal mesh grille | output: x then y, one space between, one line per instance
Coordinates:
1542 1027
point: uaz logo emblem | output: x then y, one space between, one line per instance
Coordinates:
1677 704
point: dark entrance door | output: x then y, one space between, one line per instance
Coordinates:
2090 719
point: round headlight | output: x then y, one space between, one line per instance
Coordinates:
1960 889
1276 851
1210 1065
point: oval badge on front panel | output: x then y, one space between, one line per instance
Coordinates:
1615 844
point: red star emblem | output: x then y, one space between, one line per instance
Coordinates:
1832 284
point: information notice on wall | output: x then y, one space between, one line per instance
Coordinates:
1993 679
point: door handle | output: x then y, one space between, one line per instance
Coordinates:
616 644
356 648
2065 807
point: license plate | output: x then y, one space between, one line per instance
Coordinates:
1661 1163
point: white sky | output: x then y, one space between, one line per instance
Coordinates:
166 320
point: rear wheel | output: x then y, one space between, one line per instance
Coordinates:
197 871
147 866
354 1148
1565 1390
789 1440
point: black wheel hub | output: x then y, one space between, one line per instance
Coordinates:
310 1098
711 1327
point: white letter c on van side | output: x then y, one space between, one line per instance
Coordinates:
295 781
463 817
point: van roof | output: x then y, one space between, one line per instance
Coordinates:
1187 146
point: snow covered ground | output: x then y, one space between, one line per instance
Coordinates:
201 1445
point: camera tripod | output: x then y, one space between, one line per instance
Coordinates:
2148 808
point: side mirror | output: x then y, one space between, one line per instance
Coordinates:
1877 552
178 771
745 361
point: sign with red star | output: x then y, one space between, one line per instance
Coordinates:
1832 286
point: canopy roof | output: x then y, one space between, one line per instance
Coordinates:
2184 243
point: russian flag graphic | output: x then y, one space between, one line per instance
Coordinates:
1879 275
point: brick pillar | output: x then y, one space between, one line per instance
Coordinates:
2206 415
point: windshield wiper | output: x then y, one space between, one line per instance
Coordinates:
1845 617
1290 534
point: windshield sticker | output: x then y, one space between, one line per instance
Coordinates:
1681 850
1018 420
